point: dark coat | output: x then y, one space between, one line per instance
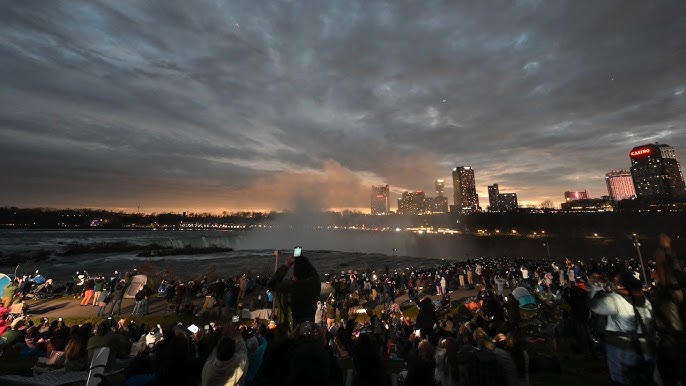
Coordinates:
303 292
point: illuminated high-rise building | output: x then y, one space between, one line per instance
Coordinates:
379 200
501 202
437 204
620 185
493 202
440 187
464 189
412 203
656 171
576 195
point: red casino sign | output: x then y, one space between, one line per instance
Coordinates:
641 152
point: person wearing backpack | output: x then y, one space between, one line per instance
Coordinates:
629 332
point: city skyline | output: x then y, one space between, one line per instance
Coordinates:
204 106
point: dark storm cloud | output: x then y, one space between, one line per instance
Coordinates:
177 104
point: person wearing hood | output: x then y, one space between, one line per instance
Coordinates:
629 330
227 365
256 346
303 291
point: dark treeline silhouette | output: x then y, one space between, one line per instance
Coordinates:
600 224
47 218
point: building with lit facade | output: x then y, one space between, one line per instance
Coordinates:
440 187
656 172
437 204
379 200
412 203
501 202
464 189
576 195
620 185
588 205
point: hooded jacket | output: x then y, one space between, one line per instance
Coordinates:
303 292
226 373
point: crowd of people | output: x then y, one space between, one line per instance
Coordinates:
605 308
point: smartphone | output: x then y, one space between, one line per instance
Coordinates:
235 318
193 328
297 251
417 332
306 327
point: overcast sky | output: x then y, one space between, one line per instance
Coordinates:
225 105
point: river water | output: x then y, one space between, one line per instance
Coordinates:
329 250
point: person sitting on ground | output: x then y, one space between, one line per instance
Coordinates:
76 351
421 365
227 364
256 346
15 334
118 344
3 315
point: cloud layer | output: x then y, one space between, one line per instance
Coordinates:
220 106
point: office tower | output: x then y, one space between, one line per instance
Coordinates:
501 202
437 204
412 203
656 171
379 199
620 185
493 203
440 187
576 195
464 189
508 202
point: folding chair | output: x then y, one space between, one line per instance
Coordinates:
17 310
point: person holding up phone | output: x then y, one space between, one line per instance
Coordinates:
303 291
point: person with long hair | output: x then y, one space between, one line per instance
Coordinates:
421 365
446 373
76 351
513 359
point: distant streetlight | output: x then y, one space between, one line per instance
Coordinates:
547 247
595 235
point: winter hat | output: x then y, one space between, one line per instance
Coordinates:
252 345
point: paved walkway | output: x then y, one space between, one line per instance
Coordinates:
68 307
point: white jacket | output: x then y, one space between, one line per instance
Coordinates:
228 373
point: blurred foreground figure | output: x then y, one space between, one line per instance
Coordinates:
670 314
